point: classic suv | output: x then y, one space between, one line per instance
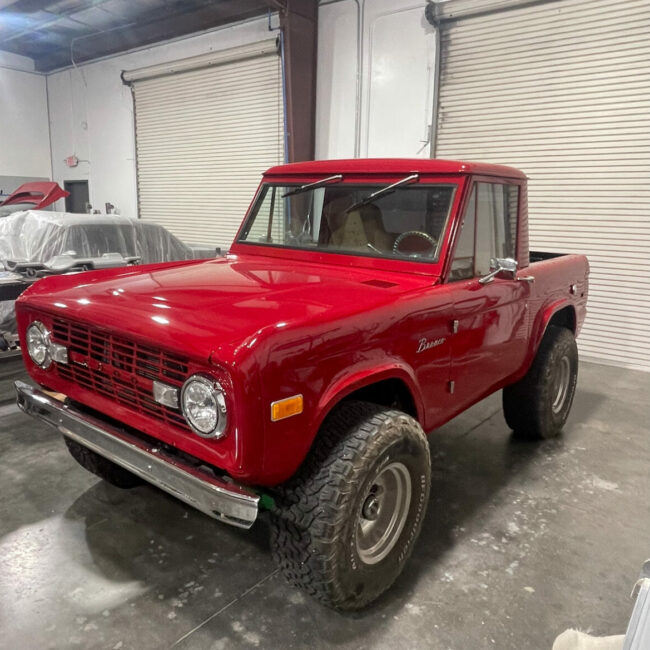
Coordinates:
362 304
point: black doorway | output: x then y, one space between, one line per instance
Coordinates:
79 198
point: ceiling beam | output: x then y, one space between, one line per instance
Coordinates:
113 41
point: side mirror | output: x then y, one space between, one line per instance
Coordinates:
501 265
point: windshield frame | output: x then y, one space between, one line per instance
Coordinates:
369 260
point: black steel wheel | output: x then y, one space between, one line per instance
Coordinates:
345 525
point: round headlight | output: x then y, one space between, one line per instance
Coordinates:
38 344
204 406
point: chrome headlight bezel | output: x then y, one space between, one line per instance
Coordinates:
212 390
39 330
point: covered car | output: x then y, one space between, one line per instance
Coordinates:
37 243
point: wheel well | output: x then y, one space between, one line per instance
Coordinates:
565 317
393 393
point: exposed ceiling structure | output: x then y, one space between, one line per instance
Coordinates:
58 33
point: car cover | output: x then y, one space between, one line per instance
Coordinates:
33 236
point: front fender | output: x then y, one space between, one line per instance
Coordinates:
366 374
288 441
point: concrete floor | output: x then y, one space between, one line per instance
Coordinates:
521 541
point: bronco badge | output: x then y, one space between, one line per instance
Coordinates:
427 345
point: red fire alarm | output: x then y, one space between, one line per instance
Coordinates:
71 161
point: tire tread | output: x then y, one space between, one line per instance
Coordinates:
309 517
525 403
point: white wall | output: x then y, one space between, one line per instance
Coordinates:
397 76
24 141
10 60
91 113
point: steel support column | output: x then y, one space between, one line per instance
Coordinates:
299 24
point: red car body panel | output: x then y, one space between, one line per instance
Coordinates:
365 167
271 323
39 193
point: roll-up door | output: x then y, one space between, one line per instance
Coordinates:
206 128
562 90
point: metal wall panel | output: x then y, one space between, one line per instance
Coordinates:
203 138
562 91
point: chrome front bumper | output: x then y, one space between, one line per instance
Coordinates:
195 486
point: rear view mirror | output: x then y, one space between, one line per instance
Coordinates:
501 266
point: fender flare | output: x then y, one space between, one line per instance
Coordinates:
541 324
361 376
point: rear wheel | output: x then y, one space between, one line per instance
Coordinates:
538 405
346 524
102 467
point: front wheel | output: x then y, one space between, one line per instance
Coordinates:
538 405
346 524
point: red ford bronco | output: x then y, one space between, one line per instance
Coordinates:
362 304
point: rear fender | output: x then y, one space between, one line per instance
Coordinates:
546 315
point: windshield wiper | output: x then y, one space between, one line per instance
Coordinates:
312 186
383 191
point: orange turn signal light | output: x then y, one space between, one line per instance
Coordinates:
285 408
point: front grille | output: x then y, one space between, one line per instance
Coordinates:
119 369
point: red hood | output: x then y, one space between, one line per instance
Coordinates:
40 194
227 306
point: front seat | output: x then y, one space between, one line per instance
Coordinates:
373 224
359 228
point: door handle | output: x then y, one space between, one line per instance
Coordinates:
526 278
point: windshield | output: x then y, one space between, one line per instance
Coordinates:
405 223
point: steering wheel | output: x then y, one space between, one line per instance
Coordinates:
415 247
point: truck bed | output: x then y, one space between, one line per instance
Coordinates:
539 256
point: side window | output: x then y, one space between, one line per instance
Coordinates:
489 230
489 217
462 266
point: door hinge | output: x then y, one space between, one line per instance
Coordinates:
454 326
452 386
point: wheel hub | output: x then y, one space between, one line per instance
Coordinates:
370 510
383 513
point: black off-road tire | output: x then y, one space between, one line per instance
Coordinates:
316 534
537 406
102 467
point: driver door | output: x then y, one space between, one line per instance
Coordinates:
490 319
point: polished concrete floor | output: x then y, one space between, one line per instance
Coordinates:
521 541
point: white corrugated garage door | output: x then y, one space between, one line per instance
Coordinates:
562 91
206 128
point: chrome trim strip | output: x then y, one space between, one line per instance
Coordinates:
195 486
